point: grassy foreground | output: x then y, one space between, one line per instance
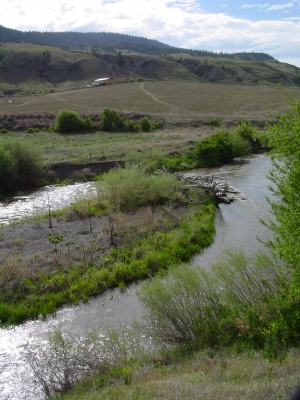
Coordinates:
207 375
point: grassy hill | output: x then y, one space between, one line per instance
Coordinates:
31 68
174 103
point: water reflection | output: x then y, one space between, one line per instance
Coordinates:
31 203
237 226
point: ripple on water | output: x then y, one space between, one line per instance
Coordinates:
236 224
35 202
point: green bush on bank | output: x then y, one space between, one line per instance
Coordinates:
246 130
20 164
145 125
33 130
68 121
111 121
131 187
220 148
214 150
240 302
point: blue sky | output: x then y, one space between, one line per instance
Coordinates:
272 27
254 10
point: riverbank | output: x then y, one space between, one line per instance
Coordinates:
73 255
235 224
209 374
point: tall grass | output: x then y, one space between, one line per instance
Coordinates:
62 363
188 308
182 305
132 187
236 302
20 164
152 159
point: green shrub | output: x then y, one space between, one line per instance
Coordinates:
132 187
8 166
145 125
70 121
3 131
240 146
214 122
110 120
214 150
183 307
219 148
130 126
33 130
20 164
245 130
243 298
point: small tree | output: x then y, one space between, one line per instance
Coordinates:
20 164
8 166
245 130
144 124
111 120
214 150
130 126
70 121
120 59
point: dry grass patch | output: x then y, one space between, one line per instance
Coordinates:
181 99
208 376
109 146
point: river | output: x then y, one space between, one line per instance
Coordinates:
237 226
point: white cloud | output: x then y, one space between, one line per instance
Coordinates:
277 7
179 23
256 5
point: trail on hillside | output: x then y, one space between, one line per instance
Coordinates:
173 109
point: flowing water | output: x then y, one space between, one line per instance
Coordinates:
31 203
237 226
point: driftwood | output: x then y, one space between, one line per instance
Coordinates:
223 192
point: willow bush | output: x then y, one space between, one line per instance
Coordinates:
221 148
183 306
131 187
20 164
68 121
237 301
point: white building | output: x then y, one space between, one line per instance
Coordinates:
98 82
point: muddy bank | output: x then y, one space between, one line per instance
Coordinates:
65 170
21 122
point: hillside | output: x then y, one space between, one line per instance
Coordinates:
39 61
32 68
109 41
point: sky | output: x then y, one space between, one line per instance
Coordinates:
272 27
